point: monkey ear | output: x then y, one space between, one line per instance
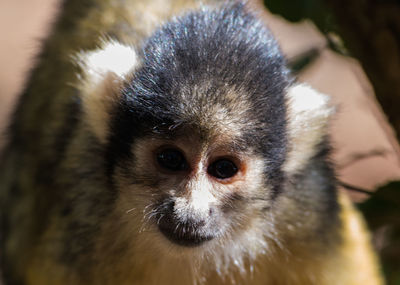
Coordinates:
308 117
104 71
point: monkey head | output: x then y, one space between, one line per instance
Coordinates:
202 127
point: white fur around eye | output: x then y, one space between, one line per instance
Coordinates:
308 117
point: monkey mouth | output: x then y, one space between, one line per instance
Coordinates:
183 234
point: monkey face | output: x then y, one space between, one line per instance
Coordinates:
196 191
200 136
189 215
197 140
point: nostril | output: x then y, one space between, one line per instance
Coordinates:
201 223
211 212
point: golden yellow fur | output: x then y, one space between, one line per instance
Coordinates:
351 263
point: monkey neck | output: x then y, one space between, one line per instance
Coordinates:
290 263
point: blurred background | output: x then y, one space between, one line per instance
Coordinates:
337 46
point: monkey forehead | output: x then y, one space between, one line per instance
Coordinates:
220 70
222 114
195 146
216 134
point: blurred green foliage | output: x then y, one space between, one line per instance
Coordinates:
297 10
318 12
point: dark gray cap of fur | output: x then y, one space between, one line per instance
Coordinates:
214 51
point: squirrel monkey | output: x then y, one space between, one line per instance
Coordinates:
166 142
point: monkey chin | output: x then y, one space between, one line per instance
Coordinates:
186 239
186 235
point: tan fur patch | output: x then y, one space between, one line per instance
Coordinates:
98 103
147 256
104 71
308 116
359 262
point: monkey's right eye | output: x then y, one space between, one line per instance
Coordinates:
223 169
172 159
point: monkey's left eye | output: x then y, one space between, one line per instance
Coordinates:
223 169
172 159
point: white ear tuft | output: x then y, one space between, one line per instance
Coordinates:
112 57
308 117
104 71
305 99
98 102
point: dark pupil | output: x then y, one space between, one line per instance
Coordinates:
223 169
171 159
